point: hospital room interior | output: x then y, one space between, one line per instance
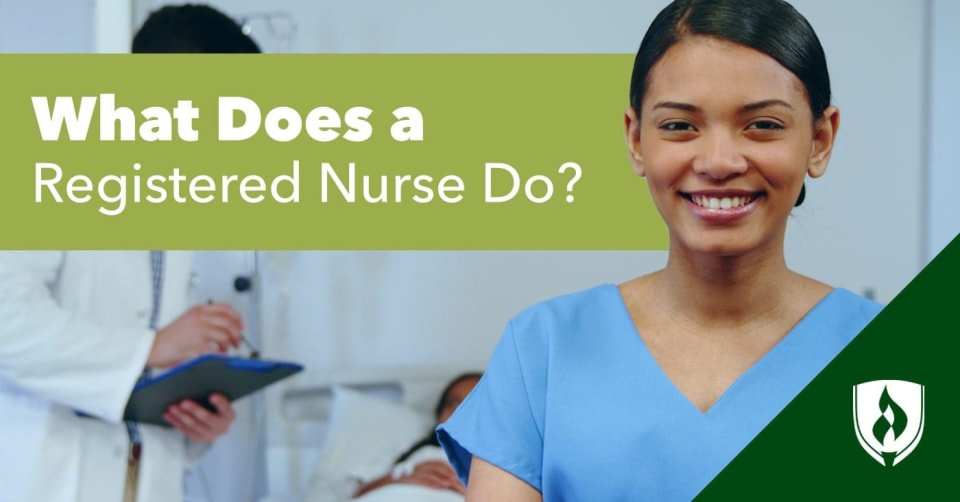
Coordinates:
381 333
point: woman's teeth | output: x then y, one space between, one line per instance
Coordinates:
720 202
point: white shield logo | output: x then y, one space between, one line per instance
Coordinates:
888 418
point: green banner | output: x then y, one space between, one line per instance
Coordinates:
878 423
320 152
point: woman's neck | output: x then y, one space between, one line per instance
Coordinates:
726 291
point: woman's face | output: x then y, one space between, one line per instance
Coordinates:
456 396
725 139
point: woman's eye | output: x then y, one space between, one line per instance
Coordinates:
766 125
676 126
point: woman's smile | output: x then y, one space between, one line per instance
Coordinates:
723 206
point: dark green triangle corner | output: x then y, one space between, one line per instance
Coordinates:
811 452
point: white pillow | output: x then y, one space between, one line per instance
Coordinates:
366 434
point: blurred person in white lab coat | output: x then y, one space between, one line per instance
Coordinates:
77 330
75 337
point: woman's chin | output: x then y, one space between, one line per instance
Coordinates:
723 247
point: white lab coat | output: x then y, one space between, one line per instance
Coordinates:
74 335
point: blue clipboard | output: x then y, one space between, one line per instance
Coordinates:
234 377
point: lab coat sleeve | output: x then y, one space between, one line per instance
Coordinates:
53 353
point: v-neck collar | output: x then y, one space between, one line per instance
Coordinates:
780 357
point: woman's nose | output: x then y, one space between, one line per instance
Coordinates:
719 156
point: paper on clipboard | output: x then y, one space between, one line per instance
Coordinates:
234 377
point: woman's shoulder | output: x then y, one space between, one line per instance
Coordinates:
837 307
588 301
844 311
571 316
846 300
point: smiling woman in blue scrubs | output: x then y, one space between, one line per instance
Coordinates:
647 389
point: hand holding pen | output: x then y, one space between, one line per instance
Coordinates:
254 353
203 329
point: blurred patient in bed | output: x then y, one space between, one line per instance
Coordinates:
424 463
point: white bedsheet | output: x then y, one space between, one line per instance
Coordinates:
399 492
339 489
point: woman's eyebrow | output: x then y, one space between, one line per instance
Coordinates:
674 105
750 107
767 103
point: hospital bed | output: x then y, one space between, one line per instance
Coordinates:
325 429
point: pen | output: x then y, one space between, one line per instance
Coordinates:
254 353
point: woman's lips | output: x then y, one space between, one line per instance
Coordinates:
722 207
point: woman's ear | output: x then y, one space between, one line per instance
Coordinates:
824 135
631 125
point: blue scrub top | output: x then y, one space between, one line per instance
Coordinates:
575 405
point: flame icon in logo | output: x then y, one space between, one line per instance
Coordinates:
888 429
883 425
